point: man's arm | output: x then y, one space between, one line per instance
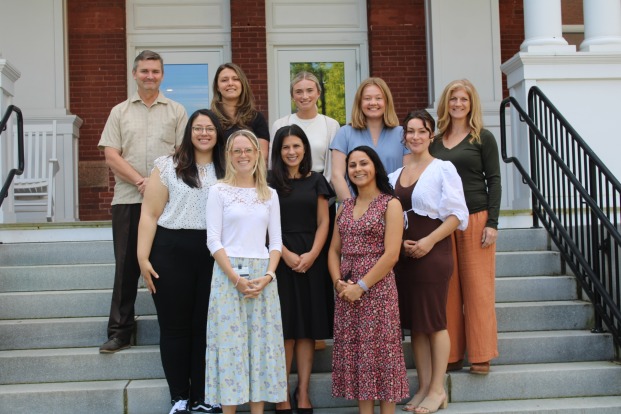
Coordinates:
121 168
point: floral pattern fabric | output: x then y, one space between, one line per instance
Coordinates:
245 358
368 359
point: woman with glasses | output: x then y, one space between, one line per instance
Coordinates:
233 102
304 287
173 255
245 352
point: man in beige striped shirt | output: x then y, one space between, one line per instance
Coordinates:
140 129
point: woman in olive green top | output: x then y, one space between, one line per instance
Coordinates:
471 314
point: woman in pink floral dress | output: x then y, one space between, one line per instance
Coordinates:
367 362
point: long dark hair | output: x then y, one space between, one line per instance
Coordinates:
279 177
184 156
381 177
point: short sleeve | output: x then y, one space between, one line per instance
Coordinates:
163 164
323 187
260 127
341 139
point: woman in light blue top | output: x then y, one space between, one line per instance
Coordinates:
375 124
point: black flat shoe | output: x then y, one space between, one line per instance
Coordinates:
285 411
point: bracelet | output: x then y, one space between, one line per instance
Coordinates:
237 282
363 285
272 274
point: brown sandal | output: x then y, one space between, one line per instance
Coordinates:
479 368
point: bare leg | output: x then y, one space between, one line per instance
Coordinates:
365 406
387 407
440 349
256 407
229 409
421 347
289 350
304 352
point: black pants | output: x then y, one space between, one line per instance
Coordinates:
125 218
184 265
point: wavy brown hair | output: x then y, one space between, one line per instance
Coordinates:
245 110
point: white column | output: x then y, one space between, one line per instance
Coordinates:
543 28
602 26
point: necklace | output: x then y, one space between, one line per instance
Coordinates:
202 169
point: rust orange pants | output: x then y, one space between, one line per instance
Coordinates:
470 308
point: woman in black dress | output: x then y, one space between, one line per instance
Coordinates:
304 285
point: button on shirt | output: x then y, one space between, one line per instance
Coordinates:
142 134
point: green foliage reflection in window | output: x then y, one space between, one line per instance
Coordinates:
331 75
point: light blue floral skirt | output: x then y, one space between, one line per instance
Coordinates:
245 358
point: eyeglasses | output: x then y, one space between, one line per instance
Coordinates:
200 130
238 151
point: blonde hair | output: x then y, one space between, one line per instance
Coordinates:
358 120
475 117
259 172
304 75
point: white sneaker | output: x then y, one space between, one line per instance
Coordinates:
180 407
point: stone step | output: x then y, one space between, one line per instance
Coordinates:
536 288
56 253
79 364
55 364
528 263
21 278
544 316
56 277
575 386
96 302
513 240
66 304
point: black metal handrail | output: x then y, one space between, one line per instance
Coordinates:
20 148
577 199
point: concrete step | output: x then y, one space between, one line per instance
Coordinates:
56 364
576 381
528 381
150 396
79 364
66 304
56 277
536 288
69 332
528 263
56 253
513 240
544 316
96 302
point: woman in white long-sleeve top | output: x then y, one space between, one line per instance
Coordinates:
245 353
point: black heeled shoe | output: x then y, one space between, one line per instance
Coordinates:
286 410
294 404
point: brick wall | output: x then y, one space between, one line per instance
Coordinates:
398 52
511 32
97 82
248 49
